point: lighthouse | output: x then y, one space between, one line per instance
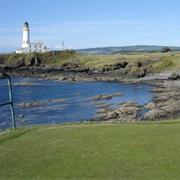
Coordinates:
29 47
26 40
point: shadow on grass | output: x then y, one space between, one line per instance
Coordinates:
14 134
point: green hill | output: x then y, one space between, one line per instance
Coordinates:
125 49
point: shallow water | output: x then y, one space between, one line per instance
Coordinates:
60 102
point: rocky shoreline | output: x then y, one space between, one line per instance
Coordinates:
165 105
74 70
166 89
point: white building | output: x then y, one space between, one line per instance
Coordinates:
28 47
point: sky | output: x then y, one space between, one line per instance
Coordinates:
90 23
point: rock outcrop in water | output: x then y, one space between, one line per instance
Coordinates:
126 112
166 104
29 105
174 76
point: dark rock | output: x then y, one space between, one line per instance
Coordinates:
65 78
32 61
82 70
2 74
71 65
65 65
108 69
120 65
73 78
103 69
174 76
102 97
20 63
7 68
139 64
37 61
142 73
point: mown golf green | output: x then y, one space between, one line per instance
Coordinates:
92 151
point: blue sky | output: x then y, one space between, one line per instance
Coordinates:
90 23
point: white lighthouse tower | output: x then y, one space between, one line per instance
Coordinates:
27 46
26 40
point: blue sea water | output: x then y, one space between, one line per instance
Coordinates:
61 102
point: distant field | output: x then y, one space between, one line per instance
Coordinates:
92 151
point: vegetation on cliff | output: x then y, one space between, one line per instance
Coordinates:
135 62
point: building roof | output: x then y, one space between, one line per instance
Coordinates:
26 25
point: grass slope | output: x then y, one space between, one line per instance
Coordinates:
166 61
134 151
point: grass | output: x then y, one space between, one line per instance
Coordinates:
166 61
92 151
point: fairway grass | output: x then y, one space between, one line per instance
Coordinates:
92 151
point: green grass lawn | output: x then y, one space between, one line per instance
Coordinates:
92 151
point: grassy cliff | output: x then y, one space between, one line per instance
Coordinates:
49 58
154 62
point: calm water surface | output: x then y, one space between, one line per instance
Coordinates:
60 102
